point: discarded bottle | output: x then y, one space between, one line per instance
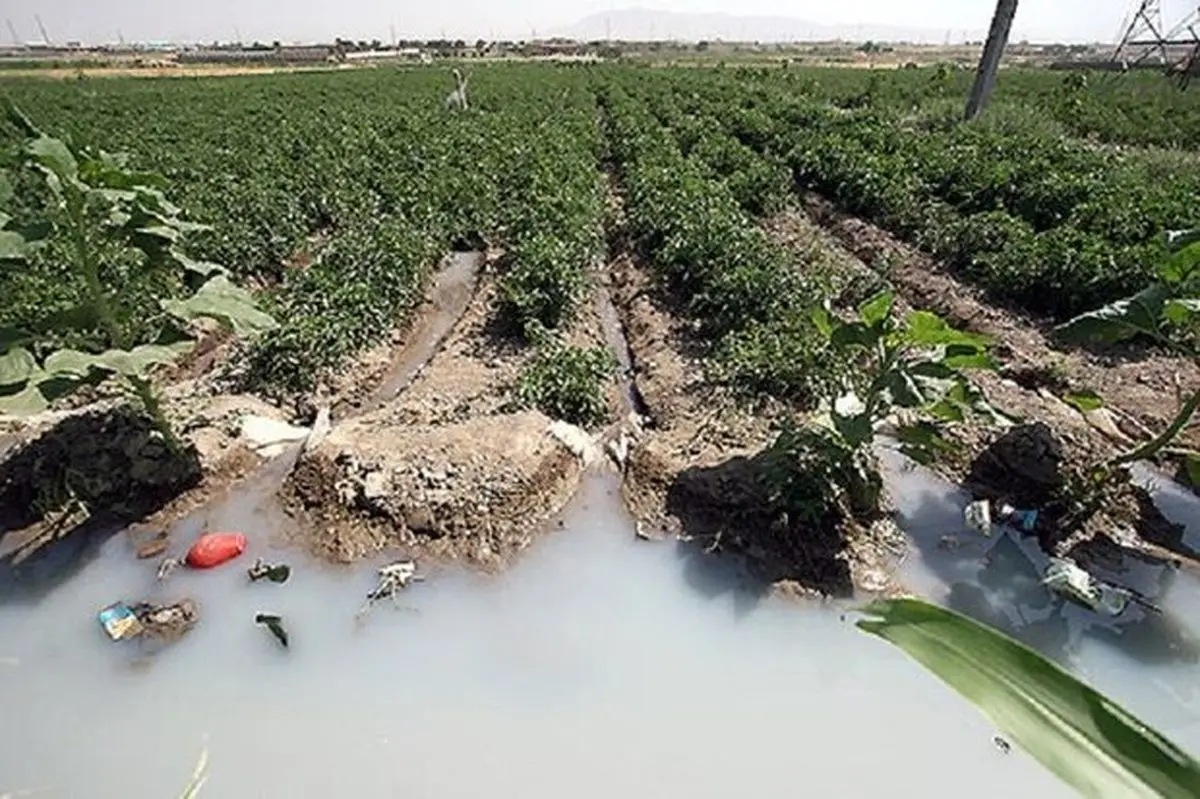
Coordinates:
214 549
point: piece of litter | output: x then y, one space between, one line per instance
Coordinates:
213 549
168 566
393 578
1026 520
978 517
275 572
270 437
320 430
575 439
120 622
273 623
1065 577
167 622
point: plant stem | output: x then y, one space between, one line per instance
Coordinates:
108 321
153 407
1163 439
91 275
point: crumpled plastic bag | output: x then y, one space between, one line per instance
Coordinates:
1065 577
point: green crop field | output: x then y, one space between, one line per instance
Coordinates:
1053 204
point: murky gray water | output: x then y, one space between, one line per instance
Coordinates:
1146 661
452 287
599 666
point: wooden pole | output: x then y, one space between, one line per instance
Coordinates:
985 79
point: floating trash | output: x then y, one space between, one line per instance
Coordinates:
167 622
1025 520
167 567
120 622
978 516
393 578
274 623
1065 577
275 572
214 549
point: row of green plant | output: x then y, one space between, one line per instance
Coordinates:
555 233
338 193
738 287
1140 109
1043 222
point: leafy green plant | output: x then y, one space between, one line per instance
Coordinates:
118 237
914 366
1085 738
1166 312
567 382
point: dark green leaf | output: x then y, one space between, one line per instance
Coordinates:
923 442
855 430
1089 741
1191 466
852 334
1120 321
17 117
6 189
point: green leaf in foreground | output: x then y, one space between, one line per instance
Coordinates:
1089 741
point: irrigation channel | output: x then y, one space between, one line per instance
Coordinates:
599 665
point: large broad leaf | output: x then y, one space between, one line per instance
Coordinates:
1120 321
928 329
1088 740
131 363
17 365
25 402
223 301
12 246
54 155
877 309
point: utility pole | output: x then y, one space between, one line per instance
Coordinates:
989 63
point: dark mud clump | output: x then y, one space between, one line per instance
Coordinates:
91 474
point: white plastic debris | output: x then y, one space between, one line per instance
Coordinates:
978 517
270 437
581 445
1066 578
320 430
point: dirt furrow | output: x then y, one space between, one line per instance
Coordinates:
1141 387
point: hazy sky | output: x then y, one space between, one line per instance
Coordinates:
95 21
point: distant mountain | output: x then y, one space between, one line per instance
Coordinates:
637 24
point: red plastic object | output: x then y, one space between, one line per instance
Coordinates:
214 549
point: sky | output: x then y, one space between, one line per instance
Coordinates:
98 21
